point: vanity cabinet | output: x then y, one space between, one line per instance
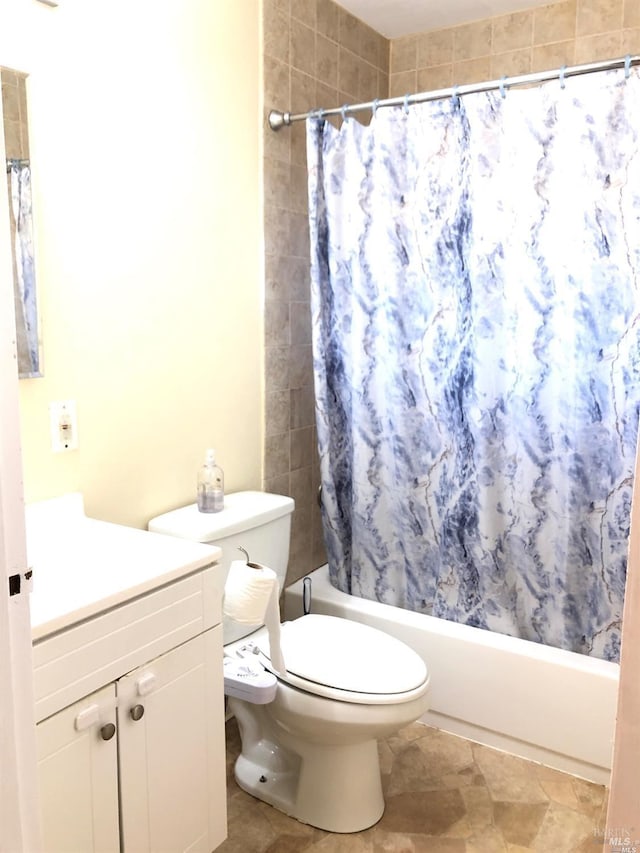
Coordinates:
150 741
128 686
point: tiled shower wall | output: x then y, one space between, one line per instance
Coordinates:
573 32
14 109
315 54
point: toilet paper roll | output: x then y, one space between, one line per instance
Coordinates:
247 592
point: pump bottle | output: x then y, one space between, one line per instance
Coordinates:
210 485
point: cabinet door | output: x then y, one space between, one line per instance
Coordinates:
78 776
172 750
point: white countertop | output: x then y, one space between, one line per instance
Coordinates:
82 566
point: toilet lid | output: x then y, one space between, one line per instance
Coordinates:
345 655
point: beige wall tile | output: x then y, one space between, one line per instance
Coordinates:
597 48
13 138
511 32
301 448
296 270
327 97
511 64
298 198
276 459
276 324
300 366
349 30
305 11
327 19
437 77
631 16
369 45
471 71
303 91
631 41
402 83
277 412
598 16
300 323
326 61
555 23
276 278
301 486
283 6
472 41
302 49
348 72
276 184
276 36
404 54
367 81
550 56
383 85
435 48
298 136
384 54
302 407
276 368
299 236
276 83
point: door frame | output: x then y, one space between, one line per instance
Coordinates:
19 807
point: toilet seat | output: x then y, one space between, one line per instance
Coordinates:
347 661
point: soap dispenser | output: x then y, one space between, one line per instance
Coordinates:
210 485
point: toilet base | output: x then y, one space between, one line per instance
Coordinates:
332 787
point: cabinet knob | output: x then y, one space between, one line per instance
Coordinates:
107 731
137 712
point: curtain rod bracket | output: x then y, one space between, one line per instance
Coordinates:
278 120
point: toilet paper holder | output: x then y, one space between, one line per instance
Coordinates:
271 614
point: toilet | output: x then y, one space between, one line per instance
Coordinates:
309 734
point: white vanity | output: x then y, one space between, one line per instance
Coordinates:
127 654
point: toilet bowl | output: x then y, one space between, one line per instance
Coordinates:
309 734
312 752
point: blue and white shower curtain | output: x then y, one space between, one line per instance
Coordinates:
476 333
24 271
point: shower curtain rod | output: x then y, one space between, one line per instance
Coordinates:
15 161
278 119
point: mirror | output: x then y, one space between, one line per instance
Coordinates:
16 140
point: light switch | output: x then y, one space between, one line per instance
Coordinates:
64 425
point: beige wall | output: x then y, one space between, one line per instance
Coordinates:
145 144
566 33
315 54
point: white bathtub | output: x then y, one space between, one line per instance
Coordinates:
541 703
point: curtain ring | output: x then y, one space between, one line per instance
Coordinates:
319 113
627 66
455 98
406 104
343 111
374 107
561 76
503 91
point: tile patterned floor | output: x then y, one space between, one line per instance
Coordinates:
444 794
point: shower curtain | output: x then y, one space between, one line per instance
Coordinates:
24 271
476 334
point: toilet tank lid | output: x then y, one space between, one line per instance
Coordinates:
242 510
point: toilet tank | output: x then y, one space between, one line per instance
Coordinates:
259 522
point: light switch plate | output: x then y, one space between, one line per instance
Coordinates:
63 421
